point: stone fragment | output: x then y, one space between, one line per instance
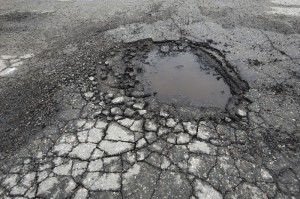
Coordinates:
142 142
142 112
178 128
203 132
10 180
163 113
91 78
97 113
151 137
95 165
101 124
89 94
58 161
162 131
126 122
265 175
97 154
171 138
18 190
82 136
119 133
83 151
190 128
118 100
64 169
137 126
139 105
129 112
105 112
28 179
183 138
201 147
241 112
158 146
171 123
228 119
116 111
165 163
165 48
113 148
116 118
109 96
150 125
95 135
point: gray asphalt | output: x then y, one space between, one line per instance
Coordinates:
67 131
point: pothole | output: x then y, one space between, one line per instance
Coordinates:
185 78
182 74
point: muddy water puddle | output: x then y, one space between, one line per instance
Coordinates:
181 77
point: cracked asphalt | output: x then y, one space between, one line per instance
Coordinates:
74 125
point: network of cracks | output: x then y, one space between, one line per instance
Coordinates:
116 138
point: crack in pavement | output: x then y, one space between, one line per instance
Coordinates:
112 144
58 163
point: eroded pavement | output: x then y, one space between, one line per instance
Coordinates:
76 123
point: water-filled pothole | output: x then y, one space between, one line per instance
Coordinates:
181 77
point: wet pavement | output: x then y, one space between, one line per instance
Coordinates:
83 113
180 77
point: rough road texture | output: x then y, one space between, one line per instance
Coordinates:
63 136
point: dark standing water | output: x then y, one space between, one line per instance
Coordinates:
181 77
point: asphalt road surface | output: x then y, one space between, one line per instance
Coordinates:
77 122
